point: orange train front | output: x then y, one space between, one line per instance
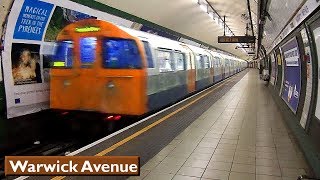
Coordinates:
108 69
101 68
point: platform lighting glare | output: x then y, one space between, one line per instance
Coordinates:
217 20
203 7
242 49
221 24
211 15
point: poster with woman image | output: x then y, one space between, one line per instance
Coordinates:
25 63
292 74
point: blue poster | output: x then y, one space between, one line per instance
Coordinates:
32 20
292 74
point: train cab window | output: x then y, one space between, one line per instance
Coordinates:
180 61
62 57
166 63
121 54
148 54
87 51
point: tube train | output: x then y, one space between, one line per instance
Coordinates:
104 68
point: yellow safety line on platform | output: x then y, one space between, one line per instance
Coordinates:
129 138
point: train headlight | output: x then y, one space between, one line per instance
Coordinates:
110 85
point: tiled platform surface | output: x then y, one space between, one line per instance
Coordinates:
241 137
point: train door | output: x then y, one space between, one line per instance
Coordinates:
222 66
64 81
80 87
74 66
212 63
192 71
226 67
89 97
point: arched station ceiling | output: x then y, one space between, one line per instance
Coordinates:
186 17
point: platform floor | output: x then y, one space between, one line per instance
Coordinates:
241 137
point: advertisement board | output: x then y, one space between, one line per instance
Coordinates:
32 20
292 74
29 42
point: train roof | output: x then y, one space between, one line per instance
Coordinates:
155 40
161 42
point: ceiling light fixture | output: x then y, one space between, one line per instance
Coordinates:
212 13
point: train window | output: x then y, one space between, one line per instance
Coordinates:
180 61
206 62
199 62
88 51
166 64
216 61
63 55
121 54
202 61
148 54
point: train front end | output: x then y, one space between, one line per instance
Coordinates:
98 68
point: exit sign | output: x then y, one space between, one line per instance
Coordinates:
236 39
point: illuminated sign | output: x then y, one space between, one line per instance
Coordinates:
87 29
236 39
58 64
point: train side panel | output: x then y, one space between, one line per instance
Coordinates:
169 82
203 69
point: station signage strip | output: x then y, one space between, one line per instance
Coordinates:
236 39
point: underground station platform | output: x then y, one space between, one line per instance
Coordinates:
230 131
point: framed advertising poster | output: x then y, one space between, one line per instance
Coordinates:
292 74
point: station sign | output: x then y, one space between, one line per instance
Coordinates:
236 39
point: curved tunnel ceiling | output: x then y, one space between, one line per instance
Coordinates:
186 17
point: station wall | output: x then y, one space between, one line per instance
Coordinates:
294 62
